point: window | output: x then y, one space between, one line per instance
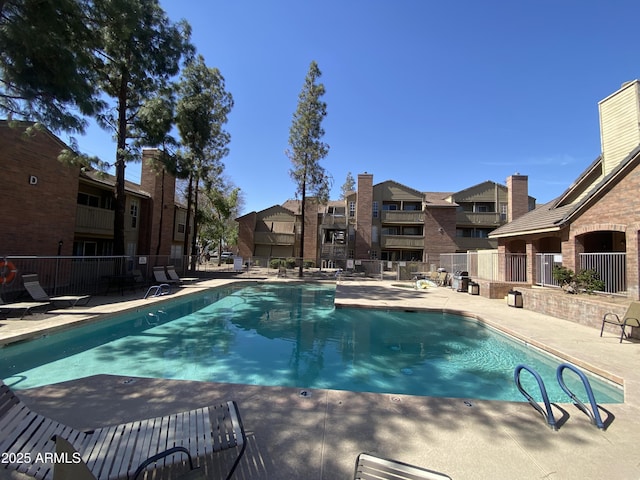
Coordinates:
374 255
375 209
88 199
181 228
374 234
352 209
133 210
503 211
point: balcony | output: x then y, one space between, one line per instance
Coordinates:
336 221
490 219
474 243
272 238
94 221
402 217
402 241
333 251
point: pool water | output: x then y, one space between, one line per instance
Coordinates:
277 335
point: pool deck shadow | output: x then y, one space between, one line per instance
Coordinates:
317 436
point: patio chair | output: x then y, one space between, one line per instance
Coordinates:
630 318
28 440
173 275
161 277
25 307
32 285
370 467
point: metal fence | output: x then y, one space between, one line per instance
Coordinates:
486 265
545 263
611 268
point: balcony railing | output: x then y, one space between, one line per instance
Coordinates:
94 220
272 238
334 220
479 218
475 243
402 241
402 217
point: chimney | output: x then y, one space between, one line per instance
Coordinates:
364 216
517 196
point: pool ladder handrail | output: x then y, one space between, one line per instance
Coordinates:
548 414
158 290
594 413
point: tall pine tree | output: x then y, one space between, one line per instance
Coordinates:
307 147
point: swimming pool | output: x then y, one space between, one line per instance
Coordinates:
291 335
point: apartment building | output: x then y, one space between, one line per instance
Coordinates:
50 208
386 221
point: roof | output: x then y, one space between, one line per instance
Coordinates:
556 214
109 180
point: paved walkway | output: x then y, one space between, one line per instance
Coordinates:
318 436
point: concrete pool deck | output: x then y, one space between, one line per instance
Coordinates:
318 436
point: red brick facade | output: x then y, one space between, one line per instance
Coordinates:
38 196
364 217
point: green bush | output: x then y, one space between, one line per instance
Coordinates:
275 263
309 264
290 263
586 280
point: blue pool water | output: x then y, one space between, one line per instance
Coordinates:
293 336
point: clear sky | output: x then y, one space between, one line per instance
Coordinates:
437 95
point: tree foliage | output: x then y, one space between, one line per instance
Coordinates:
203 107
140 52
348 186
47 62
307 147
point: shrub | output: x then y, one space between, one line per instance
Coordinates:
290 263
275 263
309 264
586 280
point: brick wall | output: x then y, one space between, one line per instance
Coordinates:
617 210
583 309
161 203
311 230
38 194
364 216
246 229
517 196
439 232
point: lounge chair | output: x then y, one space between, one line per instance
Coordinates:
161 277
370 467
28 440
25 307
630 318
32 285
173 275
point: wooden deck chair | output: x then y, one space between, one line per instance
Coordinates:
370 467
630 318
24 307
32 285
116 451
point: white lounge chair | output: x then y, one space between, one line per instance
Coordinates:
161 277
119 451
32 285
370 467
25 307
173 275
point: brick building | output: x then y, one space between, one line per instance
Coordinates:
385 221
597 217
50 208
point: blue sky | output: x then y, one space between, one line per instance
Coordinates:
437 95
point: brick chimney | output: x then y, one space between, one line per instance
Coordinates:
364 216
517 196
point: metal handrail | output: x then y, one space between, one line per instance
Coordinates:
548 414
593 414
